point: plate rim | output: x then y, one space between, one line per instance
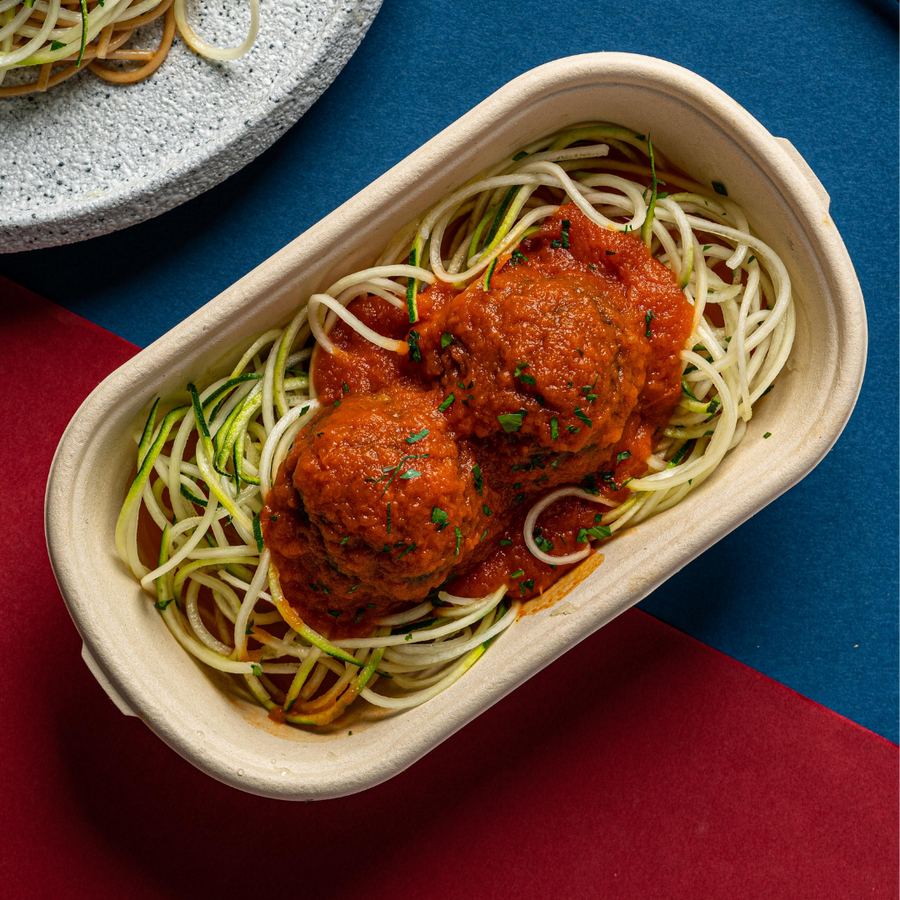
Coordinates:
128 203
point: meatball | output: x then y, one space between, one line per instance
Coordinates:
543 365
373 507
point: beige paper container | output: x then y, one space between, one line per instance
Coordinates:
703 131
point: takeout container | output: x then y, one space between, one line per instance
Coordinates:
703 131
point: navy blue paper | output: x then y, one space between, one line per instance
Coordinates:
806 592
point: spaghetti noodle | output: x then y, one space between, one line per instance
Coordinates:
59 38
208 472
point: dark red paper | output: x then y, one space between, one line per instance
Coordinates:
643 764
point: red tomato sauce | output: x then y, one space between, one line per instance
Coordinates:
419 469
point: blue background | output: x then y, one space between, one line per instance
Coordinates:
805 592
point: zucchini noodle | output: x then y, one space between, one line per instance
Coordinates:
205 467
56 39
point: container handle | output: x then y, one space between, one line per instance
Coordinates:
103 681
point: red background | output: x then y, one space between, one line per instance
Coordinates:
642 764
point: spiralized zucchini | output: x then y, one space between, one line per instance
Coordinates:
59 38
204 469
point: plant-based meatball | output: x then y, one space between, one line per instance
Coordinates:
373 507
545 363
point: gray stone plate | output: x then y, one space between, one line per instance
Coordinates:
87 158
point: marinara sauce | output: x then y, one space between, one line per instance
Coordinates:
561 367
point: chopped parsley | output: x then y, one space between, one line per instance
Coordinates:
589 484
554 428
505 542
517 257
57 45
768 434
448 402
412 339
720 188
518 573
583 417
390 472
479 478
598 532
542 542
346 389
249 630
625 454
439 518
520 155
511 422
334 612
257 669
564 234
446 340
487 512
344 539
162 604
648 319
389 518
413 438
588 390
458 539
519 373
409 549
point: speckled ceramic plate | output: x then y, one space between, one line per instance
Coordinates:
87 158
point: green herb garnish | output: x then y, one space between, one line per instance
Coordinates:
412 339
511 422
598 532
582 416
